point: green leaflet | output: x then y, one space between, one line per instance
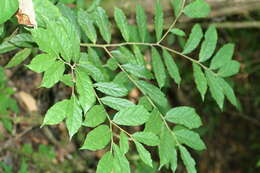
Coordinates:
95 72
177 6
123 143
85 89
105 164
229 69
116 103
132 116
138 71
200 80
41 63
8 8
145 102
178 32
215 88
141 20
112 89
144 154
103 23
171 67
184 115
67 80
158 20
187 160
56 114
53 74
223 56
138 55
94 58
197 9
147 138
87 25
209 44
19 58
154 123
95 116
74 116
229 93
121 22
124 56
98 138
158 68
120 164
189 138
194 39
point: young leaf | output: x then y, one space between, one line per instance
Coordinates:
87 25
229 69
53 74
121 22
56 114
223 56
177 6
184 115
147 138
141 20
123 142
41 62
103 24
74 116
105 164
19 58
138 70
158 68
171 67
209 44
194 39
158 21
8 8
132 116
215 88
144 154
197 9
97 139
189 138
120 164
187 160
154 123
95 116
229 93
116 103
112 89
200 80
85 89
178 32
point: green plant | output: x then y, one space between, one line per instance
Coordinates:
101 75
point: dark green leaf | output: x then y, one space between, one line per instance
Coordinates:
116 103
229 69
95 116
197 9
144 154
200 80
141 20
138 55
96 73
19 58
103 24
158 68
147 138
121 22
111 88
158 20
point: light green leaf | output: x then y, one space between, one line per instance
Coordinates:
112 89
121 164
158 20
116 103
209 44
187 160
67 80
171 67
138 55
177 6
123 143
189 138
200 80
94 58
141 20
223 56
98 138
215 88
74 116
158 68
121 22
19 58
112 64
144 154
174 160
229 69
8 8
56 114
194 39
86 24
95 116
154 123
145 102
96 73
85 89
184 115
147 138
105 164
103 24
197 9
124 56
53 74
41 63
178 32
132 116
229 93
138 70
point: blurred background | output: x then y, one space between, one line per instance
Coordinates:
232 136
